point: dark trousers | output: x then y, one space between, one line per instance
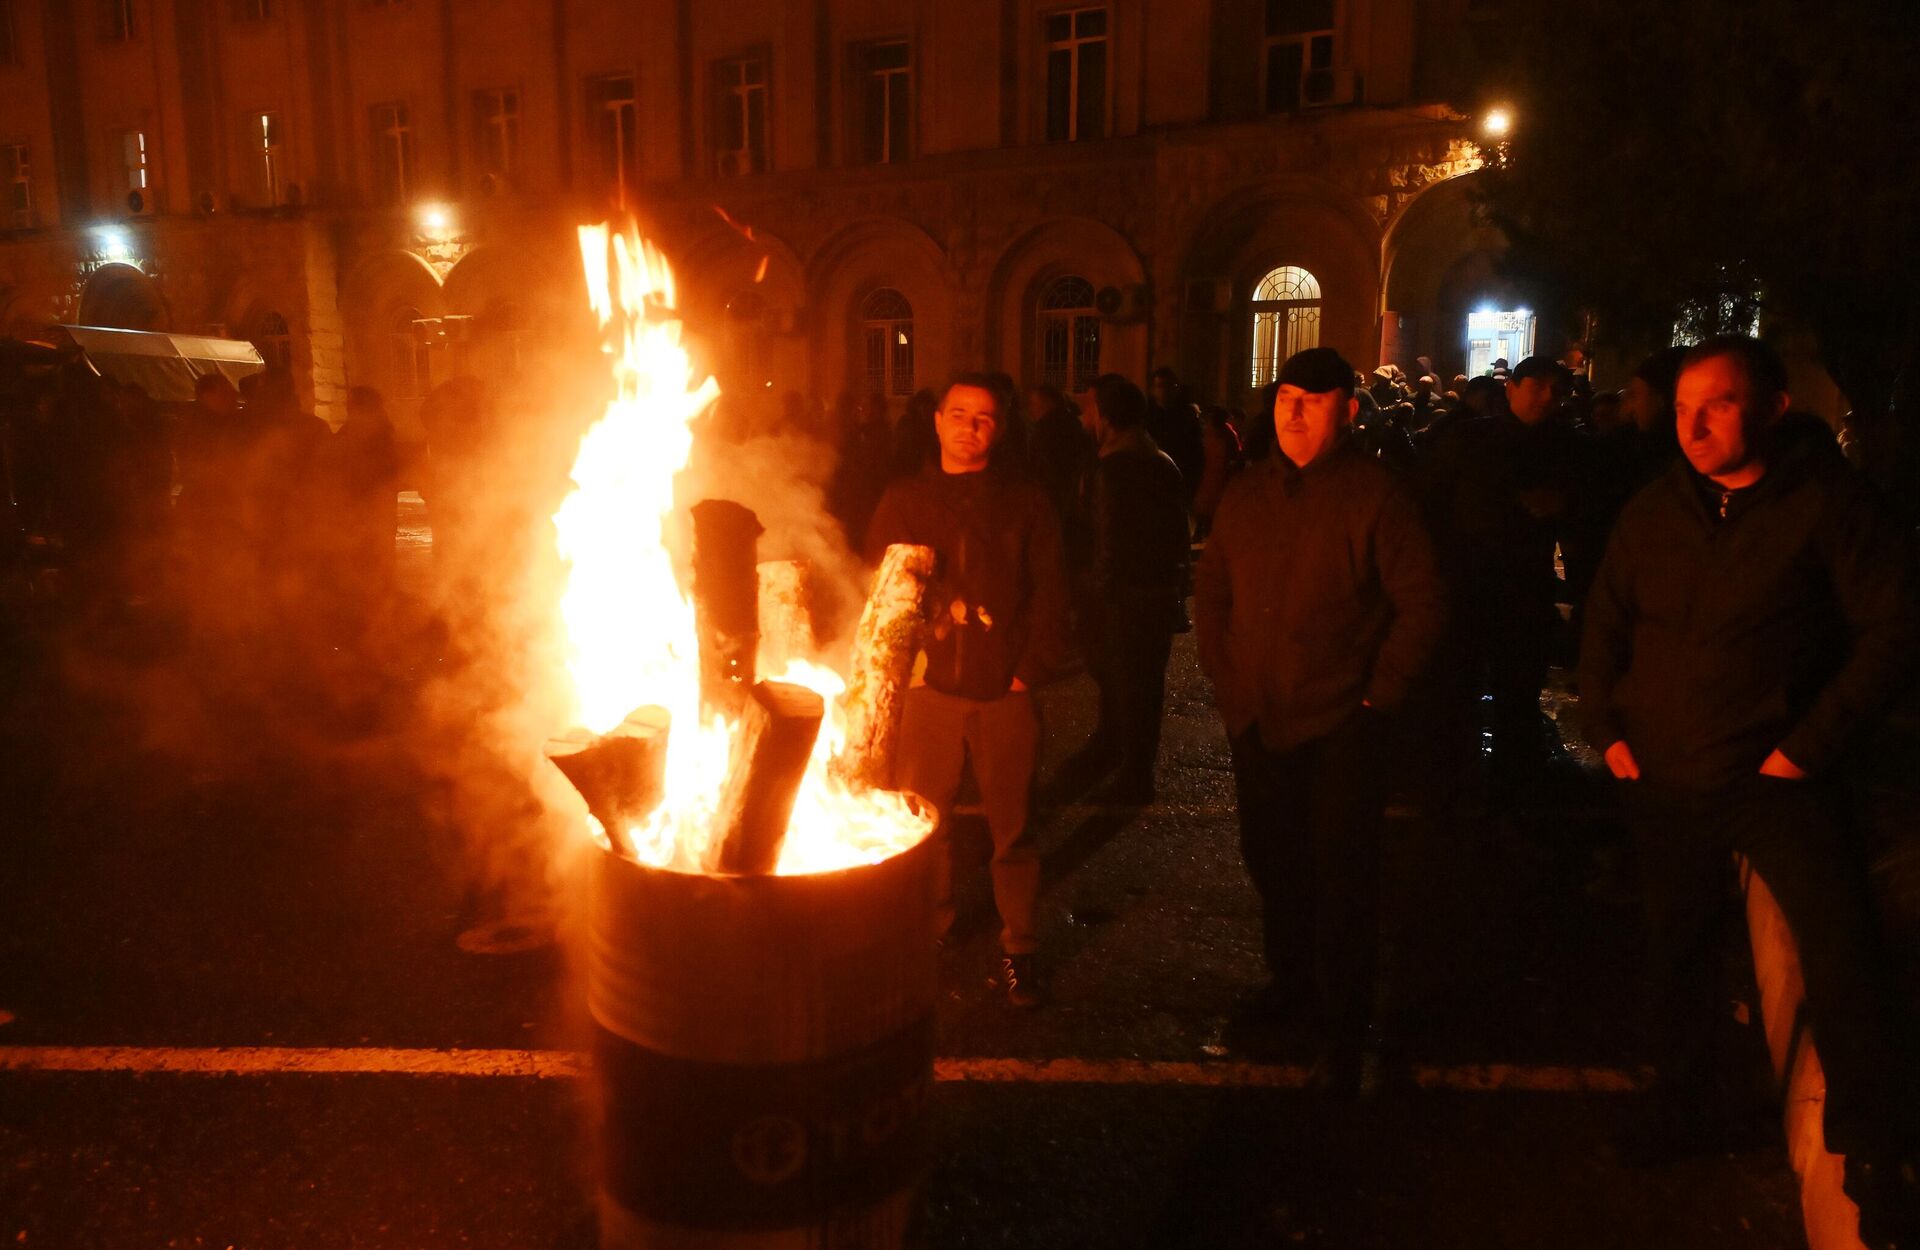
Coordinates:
1129 664
1310 828
1793 834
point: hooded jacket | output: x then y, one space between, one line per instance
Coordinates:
1711 641
998 601
1317 590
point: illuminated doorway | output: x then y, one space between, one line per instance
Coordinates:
1498 334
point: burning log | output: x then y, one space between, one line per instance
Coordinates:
726 601
771 747
622 773
884 647
786 626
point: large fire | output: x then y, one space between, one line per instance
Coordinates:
629 620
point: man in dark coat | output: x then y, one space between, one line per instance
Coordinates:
1134 587
1174 424
1755 608
1317 605
999 608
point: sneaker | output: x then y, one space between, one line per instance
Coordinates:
1026 987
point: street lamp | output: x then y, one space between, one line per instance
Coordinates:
435 218
1497 123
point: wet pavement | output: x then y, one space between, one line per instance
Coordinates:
194 883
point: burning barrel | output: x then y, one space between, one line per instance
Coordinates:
765 1047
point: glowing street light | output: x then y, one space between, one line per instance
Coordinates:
1497 124
115 242
435 217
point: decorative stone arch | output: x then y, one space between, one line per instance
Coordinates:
744 301
375 299
1076 247
1439 261
865 257
122 297
1302 222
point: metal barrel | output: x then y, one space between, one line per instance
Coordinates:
764 1048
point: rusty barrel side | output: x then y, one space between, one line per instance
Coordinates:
764 1047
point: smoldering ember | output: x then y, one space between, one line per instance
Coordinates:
666 626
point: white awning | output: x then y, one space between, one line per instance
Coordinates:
165 366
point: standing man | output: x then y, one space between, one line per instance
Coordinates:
1174 423
1755 608
1318 604
999 606
1134 587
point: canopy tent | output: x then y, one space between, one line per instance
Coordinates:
165 366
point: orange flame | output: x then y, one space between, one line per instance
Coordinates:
629 623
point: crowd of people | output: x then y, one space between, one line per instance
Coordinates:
1734 605
1747 611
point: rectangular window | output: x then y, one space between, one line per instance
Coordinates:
613 131
1077 75
252 10
496 130
392 153
16 172
117 21
740 133
886 103
1299 41
266 141
135 159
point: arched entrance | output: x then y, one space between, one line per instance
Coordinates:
1441 274
122 298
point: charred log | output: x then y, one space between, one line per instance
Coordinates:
884 647
777 728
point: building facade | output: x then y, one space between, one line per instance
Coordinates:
857 195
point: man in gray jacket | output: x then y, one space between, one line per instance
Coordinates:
1318 604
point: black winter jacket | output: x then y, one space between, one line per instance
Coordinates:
1711 642
1137 524
999 599
1317 590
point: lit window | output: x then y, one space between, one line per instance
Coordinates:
1299 50
1069 334
1077 75
740 140
1286 319
134 159
886 340
392 153
886 103
269 156
496 128
117 21
613 127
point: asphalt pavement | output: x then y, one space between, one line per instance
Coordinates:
192 870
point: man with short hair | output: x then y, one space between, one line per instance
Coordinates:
999 628
1134 588
1317 606
1755 608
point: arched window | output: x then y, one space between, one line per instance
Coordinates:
1069 334
886 338
272 340
411 341
1286 319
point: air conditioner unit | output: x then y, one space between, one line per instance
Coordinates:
293 195
142 201
491 184
208 202
1212 295
1121 303
1324 88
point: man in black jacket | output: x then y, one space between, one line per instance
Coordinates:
1317 605
1755 607
1134 587
999 608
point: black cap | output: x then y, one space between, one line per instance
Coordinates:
1538 367
1318 369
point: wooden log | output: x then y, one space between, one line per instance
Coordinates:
771 746
621 773
786 623
884 647
726 602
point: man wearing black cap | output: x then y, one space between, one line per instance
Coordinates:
1317 606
